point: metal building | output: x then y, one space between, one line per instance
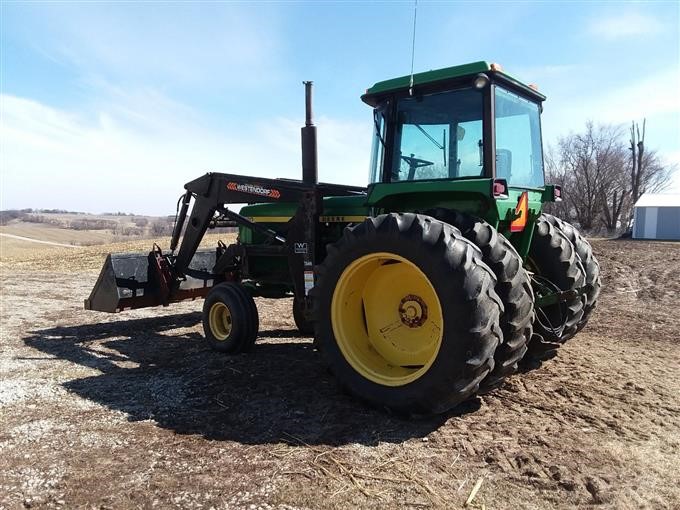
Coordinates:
657 216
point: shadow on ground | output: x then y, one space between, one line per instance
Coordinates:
150 369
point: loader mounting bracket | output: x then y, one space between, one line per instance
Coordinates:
160 272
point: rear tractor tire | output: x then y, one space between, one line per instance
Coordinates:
590 264
230 318
556 264
406 315
513 286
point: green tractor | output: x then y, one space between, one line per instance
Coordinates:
435 282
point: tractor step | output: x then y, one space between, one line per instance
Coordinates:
136 280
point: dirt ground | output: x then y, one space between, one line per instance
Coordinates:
133 410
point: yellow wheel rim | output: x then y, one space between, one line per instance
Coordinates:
387 319
219 318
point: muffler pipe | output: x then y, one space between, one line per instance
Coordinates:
308 133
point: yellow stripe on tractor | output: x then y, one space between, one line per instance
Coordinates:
270 219
322 219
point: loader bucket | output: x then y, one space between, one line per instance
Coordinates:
127 280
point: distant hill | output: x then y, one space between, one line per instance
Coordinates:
20 229
23 231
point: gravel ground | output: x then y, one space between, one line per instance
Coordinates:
133 410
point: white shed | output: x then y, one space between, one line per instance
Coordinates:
657 216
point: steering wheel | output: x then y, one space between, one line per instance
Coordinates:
414 164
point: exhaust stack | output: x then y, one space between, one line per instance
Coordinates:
308 132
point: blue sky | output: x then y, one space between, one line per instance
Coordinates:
109 107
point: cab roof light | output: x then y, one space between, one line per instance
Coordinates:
481 81
496 67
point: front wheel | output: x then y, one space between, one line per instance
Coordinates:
406 313
305 327
230 318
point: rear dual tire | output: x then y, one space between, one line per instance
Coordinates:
589 262
553 257
406 313
513 286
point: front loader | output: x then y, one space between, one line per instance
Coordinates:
435 282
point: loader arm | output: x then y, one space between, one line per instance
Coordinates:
213 192
141 280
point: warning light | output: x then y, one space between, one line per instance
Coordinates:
500 188
557 193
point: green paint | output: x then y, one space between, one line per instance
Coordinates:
472 196
447 73
469 195
389 195
428 77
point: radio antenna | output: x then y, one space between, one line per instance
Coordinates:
413 46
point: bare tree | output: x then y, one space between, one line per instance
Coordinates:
615 192
601 179
647 171
159 228
555 174
585 166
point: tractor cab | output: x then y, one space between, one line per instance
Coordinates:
464 122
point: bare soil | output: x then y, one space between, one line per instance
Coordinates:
134 410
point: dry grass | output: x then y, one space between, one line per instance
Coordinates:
59 235
86 258
133 410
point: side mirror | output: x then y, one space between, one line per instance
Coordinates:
460 132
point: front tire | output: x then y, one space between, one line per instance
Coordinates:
406 313
230 318
305 327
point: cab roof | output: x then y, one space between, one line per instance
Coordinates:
385 87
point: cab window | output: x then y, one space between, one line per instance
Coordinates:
438 136
519 157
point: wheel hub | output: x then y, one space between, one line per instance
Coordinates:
387 318
412 311
220 321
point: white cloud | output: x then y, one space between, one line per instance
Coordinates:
654 95
625 24
132 159
672 158
551 71
222 46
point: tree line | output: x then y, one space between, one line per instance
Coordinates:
603 170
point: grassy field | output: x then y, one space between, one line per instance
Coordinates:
133 410
33 256
42 231
58 235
